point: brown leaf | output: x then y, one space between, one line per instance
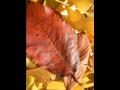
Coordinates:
83 49
53 45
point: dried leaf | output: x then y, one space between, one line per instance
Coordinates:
53 44
83 54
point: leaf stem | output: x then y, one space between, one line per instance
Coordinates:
75 79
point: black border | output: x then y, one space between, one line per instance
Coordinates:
13 45
107 45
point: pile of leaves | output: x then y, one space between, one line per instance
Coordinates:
79 14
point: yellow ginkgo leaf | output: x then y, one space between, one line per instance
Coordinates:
29 63
90 14
55 85
62 9
66 18
89 25
41 75
91 9
39 85
82 5
51 3
76 18
29 81
33 87
89 77
86 81
34 0
88 85
39 1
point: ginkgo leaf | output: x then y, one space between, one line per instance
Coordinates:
51 3
55 85
39 85
33 87
89 25
87 81
29 63
41 75
82 5
90 14
76 18
66 18
29 81
80 22
62 9
89 76
31 84
91 8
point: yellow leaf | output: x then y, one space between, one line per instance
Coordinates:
29 63
86 81
91 8
55 85
88 85
51 3
87 77
39 85
82 5
90 14
91 63
62 9
89 25
66 18
39 1
62 1
34 0
33 87
76 18
29 81
41 75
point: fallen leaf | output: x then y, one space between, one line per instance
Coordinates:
77 19
89 25
39 85
66 18
33 87
29 63
82 5
53 45
55 85
29 81
87 81
41 75
51 3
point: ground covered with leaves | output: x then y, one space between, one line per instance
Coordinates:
40 74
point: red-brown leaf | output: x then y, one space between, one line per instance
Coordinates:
83 50
53 45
